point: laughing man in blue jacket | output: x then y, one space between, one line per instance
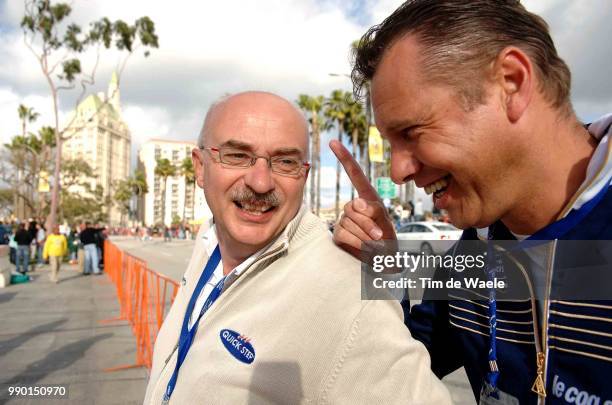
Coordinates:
475 103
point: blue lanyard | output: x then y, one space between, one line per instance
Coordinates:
556 230
187 335
494 264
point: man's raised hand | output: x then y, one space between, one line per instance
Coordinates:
365 218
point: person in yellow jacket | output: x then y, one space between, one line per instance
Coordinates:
55 249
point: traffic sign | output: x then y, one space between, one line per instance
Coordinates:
385 187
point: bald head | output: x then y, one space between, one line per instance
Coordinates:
258 109
252 204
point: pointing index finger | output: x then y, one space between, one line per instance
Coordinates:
353 170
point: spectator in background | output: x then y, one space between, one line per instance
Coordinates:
32 230
24 239
397 214
13 246
4 234
80 253
73 245
101 236
418 210
88 240
55 249
40 243
410 207
405 216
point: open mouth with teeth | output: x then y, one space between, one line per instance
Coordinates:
254 208
438 187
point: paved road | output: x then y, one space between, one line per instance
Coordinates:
171 259
50 334
167 258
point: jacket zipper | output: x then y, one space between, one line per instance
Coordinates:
538 386
279 249
542 365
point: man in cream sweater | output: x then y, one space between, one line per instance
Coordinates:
269 310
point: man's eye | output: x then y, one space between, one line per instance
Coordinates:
237 155
286 161
409 133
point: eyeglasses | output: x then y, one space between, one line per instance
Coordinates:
238 158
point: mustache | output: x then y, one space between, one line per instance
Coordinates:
247 195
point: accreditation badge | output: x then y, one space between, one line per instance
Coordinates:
495 396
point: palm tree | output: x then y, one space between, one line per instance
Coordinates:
125 190
188 171
355 124
139 183
26 115
312 107
363 137
140 188
122 194
164 169
335 110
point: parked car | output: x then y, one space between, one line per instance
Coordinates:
428 237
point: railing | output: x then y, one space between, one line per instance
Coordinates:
144 298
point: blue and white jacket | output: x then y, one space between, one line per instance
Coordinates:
573 337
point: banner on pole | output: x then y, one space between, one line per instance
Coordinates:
43 182
375 145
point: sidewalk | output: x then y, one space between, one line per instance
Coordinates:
50 334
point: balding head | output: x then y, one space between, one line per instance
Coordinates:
252 103
252 204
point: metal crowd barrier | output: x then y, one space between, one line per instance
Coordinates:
145 297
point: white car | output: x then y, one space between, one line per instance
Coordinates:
428 236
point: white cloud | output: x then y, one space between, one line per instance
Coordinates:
207 49
382 8
211 48
10 124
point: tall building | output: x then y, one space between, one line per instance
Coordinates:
182 200
98 135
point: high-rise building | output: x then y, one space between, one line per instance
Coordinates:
183 200
98 135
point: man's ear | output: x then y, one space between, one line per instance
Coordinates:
197 156
514 72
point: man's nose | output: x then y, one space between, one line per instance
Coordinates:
259 177
403 165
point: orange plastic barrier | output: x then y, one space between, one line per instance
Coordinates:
144 297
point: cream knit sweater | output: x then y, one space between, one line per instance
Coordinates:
314 340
